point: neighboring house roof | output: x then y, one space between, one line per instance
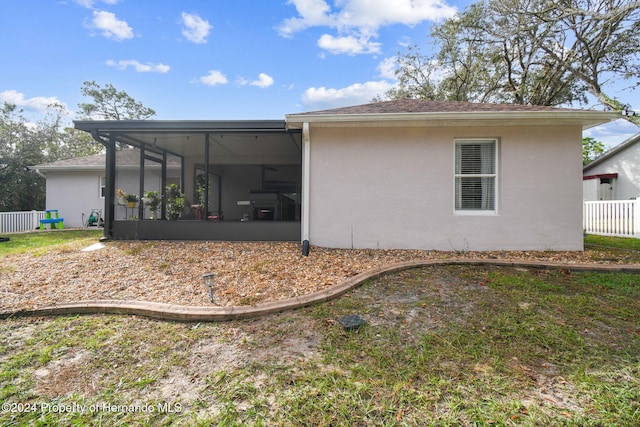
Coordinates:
124 159
454 113
614 151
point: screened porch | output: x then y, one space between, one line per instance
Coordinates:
239 180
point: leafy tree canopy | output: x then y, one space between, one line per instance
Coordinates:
591 149
536 52
24 143
111 104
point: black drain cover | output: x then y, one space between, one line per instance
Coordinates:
352 321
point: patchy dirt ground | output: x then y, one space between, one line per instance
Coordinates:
245 273
187 362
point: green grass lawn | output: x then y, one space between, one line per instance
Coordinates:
593 240
40 241
443 346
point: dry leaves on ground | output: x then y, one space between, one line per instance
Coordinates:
171 272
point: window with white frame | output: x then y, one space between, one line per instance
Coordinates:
103 185
475 175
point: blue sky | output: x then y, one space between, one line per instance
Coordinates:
239 59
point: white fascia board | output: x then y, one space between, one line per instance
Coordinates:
586 119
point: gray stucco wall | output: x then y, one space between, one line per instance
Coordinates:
394 188
74 193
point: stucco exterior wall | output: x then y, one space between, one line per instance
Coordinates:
626 164
394 188
74 193
128 180
590 189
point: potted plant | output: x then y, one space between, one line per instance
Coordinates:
175 202
131 199
153 200
128 199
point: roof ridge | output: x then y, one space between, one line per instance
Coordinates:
410 105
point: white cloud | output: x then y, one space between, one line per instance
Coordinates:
387 68
312 13
364 14
358 93
85 3
612 133
89 3
349 45
264 81
39 104
149 67
111 27
357 21
195 29
377 13
214 78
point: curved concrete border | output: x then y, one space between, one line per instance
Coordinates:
217 314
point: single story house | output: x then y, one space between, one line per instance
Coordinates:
616 174
76 187
398 174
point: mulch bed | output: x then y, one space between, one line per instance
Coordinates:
245 273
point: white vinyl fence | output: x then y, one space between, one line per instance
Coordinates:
612 218
15 222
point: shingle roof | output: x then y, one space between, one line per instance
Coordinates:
428 106
124 158
630 142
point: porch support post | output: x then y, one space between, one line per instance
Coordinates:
163 186
306 153
141 192
110 187
182 174
205 214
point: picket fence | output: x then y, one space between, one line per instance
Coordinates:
606 217
612 218
16 222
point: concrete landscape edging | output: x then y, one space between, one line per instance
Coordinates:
183 313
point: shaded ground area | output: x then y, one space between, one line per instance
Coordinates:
245 273
446 345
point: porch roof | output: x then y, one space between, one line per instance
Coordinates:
230 138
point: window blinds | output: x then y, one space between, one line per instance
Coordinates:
475 175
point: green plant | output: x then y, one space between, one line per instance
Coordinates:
152 199
201 185
175 202
126 197
129 197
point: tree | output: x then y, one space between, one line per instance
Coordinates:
20 189
591 149
111 104
533 52
600 42
24 144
